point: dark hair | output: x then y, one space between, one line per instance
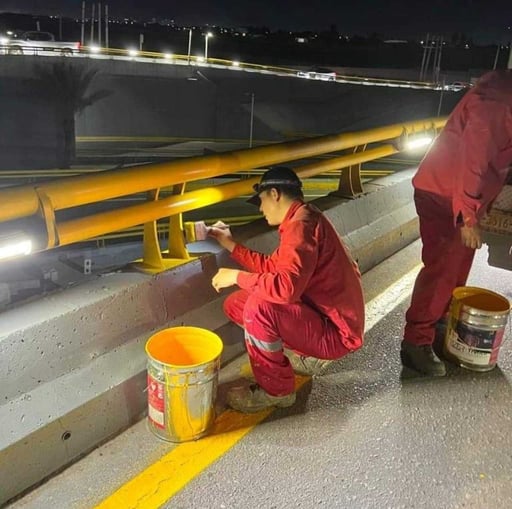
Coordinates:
281 178
291 192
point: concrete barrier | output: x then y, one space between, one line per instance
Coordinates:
73 363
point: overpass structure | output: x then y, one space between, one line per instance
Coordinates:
133 55
73 365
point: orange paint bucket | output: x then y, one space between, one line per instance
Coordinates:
183 371
476 327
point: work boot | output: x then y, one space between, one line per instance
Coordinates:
439 337
422 358
252 399
304 365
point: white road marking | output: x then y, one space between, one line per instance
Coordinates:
391 297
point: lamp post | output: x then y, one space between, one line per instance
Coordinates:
252 120
206 37
189 45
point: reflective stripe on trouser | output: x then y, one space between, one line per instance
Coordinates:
269 327
447 263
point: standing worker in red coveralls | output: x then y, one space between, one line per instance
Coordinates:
456 182
305 297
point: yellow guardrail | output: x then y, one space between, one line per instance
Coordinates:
46 199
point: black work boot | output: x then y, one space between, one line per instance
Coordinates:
422 358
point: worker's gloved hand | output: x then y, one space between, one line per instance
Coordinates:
471 236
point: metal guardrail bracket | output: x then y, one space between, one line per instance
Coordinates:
350 184
153 259
48 213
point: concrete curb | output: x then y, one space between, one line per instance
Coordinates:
73 370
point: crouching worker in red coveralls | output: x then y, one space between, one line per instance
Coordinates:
456 182
302 306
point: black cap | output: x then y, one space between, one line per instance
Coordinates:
275 177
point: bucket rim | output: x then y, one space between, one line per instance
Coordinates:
186 328
484 291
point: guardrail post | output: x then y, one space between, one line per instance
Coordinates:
177 248
350 184
48 213
153 260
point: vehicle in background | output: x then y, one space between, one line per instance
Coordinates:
458 86
318 73
34 43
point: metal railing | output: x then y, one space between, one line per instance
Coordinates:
45 200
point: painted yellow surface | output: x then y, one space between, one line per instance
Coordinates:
164 478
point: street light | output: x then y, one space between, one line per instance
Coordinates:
206 37
13 244
418 142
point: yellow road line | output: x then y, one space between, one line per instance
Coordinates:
164 478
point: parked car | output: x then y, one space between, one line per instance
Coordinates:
31 43
318 73
458 86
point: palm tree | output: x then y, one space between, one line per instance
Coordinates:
67 86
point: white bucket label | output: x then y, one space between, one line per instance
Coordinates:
156 402
474 346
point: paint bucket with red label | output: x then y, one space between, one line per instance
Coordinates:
476 327
183 371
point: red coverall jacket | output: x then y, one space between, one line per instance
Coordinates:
468 164
310 265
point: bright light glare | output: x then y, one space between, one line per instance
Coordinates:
95 49
236 64
15 249
200 59
4 41
418 143
132 52
168 55
209 34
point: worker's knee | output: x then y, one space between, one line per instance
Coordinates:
234 305
260 312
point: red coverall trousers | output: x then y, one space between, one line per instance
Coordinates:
269 327
446 261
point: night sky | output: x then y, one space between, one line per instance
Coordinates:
485 21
